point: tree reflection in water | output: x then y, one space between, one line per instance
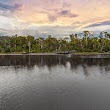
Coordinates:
75 62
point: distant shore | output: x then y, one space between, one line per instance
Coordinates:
28 54
81 53
92 53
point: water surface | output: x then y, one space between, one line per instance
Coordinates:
54 82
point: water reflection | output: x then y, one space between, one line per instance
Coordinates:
54 82
72 62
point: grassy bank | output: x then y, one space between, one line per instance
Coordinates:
91 53
77 53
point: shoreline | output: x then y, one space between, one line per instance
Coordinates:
28 54
91 53
83 53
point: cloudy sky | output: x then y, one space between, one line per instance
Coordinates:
56 17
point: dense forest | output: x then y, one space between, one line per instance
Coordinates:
83 42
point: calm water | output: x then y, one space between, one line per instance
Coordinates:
55 82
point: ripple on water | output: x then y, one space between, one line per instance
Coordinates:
55 83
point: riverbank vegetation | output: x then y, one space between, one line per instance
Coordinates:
85 42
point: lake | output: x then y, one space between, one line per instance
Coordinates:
54 82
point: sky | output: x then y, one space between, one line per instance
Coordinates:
58 18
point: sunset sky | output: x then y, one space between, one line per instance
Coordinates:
59 18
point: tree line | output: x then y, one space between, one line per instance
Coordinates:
83 42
